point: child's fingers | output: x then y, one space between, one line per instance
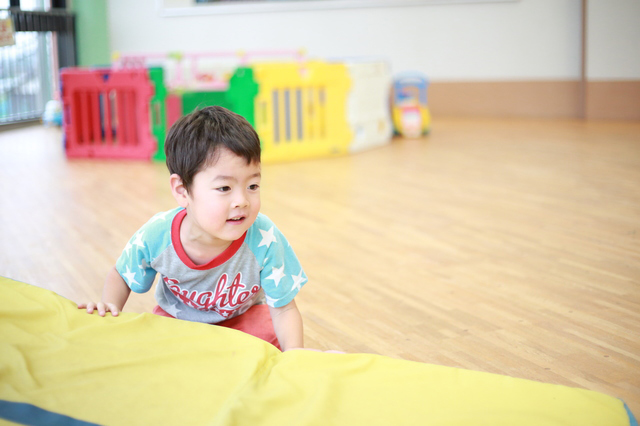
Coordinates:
102 309
88 306
113 309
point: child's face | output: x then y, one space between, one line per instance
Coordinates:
224 199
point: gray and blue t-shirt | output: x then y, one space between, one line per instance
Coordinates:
260 266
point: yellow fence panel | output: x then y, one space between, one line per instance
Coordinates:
301 110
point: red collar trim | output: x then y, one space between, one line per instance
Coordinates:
217 261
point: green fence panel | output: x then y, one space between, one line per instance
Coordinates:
243 90
158 111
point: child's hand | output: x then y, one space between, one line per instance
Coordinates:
116 291
102 308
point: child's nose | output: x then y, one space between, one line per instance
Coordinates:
241 199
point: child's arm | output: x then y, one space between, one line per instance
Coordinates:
287 323
114 296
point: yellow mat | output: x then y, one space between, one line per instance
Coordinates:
59 364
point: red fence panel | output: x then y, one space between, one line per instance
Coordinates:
106 113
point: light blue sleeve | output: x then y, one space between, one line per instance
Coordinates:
281 275
134 264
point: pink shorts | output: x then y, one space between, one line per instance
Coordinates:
256 322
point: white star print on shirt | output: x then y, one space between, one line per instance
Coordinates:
172 309
130 277
138 241
277 274
298 280
267 238
160 216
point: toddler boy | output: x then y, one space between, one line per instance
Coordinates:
220 261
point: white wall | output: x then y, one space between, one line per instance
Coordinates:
520 40
613 40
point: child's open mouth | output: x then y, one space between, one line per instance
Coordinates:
236 220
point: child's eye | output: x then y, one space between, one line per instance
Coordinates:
254 187
223 189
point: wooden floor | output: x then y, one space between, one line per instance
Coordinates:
509 247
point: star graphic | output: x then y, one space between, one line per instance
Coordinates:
276 274
298 280
130 277
160 216
127 249
142 268
172 309
138 239
267 238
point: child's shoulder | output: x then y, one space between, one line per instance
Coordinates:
160 224
262 221
153 237
163 219
262 232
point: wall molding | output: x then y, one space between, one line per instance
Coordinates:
611 100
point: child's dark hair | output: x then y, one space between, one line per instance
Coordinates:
194 141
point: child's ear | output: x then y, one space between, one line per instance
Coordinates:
178 190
